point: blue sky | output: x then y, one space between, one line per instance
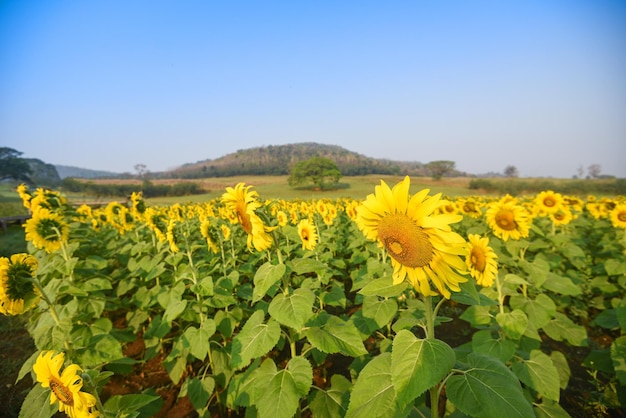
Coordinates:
106 85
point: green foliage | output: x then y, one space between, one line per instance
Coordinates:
13 167
321 172
440 168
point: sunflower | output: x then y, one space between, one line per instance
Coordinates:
282 218
210 234
548 202
24 194
244 203
308 235
420 242
65 387
481 260
17 292
563 216
46 230
618 216
508 220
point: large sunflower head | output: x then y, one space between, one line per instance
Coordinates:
419 240
508 220
481 260
244 204
618 216
46 230
18 294
65 386
548 202
308 234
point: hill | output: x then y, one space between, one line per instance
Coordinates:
82 173
278 160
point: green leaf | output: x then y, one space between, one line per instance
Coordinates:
550 409
204 287
241 388
477 315
307 265
93 285
618 357
176 361
278 393
381 311
383 287
125 405
418 364
174 308
540 374
27 367
500 348
537 270
335 336
293 310
562 367
562 328
333 402
487 388
615 267
265 277
254 340
197 340
513 323
37 404
200 390
102 349
607 319
373 394
562 285
540 310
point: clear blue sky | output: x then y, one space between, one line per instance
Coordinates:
538 84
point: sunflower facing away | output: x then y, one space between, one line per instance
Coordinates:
507 220
420 242
46 230
308 235
481 260
65 387
17 292
244 204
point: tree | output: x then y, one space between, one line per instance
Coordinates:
594 170
511 171
440 168
14 167
320 171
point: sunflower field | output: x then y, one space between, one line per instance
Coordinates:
399 305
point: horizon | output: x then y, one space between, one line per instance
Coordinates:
109 85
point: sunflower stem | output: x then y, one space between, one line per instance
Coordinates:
500 295
430 334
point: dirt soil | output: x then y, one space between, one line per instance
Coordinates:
580 399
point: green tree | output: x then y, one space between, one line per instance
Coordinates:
320 171
14 167
438 169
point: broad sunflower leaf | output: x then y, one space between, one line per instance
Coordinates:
384 288
200 390
550 409
278 393
331 334
265 277
487 388
513 323
197 340
540 310
618 356
102 349
562 285
255 339
293 310
540 374
500 348
418 364
381 311
333 402
37 404
373 394
562 328
307 265
562 366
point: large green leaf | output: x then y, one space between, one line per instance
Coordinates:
307 265
197 340
500 348
381 311
373 394
539 310
335 336
539 373
265 277
550 409
102 349
383 287
333 402
562 285
293 310
175 307
200 390
278 393
618 356
487 388
562 328
37 404
513 323
255 339
418 364
126 405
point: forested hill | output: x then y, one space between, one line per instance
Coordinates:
278 160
